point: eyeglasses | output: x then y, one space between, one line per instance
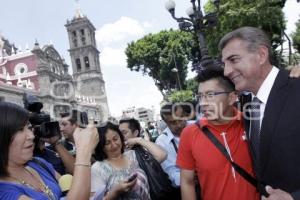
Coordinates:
210 95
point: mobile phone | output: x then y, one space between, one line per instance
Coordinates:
132 177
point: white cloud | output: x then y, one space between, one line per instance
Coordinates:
132 89
124 88
292 12
120 30
147 25
113 57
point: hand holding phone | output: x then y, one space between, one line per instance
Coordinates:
132 177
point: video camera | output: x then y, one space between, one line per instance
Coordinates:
43 127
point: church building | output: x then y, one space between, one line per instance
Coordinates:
42 72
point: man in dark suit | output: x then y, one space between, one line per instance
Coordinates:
273 128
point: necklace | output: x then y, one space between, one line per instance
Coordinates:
43 188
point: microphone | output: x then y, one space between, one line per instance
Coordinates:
65 183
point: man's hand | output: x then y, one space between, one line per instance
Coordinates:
277 194
53 140
295 72
129 143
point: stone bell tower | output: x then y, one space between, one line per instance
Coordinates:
85 61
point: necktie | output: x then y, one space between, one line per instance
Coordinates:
255 127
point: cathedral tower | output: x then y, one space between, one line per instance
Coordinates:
84 54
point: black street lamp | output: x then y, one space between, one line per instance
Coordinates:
196 23
175 70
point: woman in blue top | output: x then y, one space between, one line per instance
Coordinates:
21 176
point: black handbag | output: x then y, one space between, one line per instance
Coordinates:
159 183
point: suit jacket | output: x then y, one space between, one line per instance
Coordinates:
279 164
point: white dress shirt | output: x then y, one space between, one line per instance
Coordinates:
169 165
265 90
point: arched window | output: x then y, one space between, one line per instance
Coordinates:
75 43
82 37
74 38
86 62
78 64
83 40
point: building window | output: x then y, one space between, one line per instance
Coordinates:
82 31
74 38
86 62
22 70
83 40
75 43
78 64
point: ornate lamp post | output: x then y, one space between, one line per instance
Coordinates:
196 22
175 70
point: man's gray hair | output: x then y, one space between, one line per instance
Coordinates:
254 36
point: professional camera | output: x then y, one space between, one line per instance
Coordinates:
43 127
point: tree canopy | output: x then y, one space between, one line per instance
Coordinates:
181 96
296 37
164 56
264 14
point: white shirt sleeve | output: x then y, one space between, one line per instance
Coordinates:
97 181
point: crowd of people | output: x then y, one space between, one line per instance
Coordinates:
22 177
244 145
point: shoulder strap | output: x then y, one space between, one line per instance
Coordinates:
260 187
173 142
174 145
41 164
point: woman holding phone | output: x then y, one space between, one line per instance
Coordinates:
117 170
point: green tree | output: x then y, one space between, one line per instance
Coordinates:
192 84
181 96
296 37
264 14
157 54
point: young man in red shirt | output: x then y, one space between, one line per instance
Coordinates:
217 178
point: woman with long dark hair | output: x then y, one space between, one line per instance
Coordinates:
21 176
118 171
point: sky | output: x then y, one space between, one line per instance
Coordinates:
118 22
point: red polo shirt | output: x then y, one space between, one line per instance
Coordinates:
217 180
